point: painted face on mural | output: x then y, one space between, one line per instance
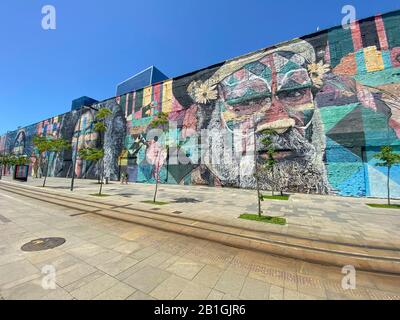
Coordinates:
274 92
271 93
19 144
84 137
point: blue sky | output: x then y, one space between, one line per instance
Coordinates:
99 43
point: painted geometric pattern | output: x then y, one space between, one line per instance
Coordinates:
333 99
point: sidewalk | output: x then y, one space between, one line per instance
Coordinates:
315 217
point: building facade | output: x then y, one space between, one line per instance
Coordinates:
332 97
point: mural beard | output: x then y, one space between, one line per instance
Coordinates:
300 170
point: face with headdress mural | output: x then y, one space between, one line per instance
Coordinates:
84 136
268 91
319 114
19 144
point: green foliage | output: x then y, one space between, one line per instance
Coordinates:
160 120
6 159
12 160
385 206
267 142
285 198
59 145
267 219
21 160
103 113
42 144
100 127
91 154
101 116
387 157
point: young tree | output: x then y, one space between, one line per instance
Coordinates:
12 160
56 146
42 145
3 163
388 159
95 155
46 146
100 126
268 166
5 160
161 122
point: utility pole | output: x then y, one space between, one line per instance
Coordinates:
77 142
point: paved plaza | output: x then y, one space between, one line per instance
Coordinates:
110 259
332 218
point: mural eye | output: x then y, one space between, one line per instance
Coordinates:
293 95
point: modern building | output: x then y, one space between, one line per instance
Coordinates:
331 99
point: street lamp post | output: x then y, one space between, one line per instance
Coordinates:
77 142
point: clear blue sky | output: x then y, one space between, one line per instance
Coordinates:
99 43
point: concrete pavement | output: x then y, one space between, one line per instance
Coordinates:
111 259
331 218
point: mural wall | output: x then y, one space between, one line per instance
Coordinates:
332 97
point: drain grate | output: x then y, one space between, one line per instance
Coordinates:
42 244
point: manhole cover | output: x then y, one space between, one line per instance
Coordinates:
43 244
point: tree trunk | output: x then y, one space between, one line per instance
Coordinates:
47 171
388 186
259 197
101 178
155 191
273 181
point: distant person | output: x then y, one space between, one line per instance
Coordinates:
124 177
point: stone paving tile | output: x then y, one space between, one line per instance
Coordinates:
117 265
170 288
254 290
86 250
185 268
143 253
156 259
208 276
275 293
215 295
127 248
194 291
147 279
138 295
230 282
15 271
99 258
120 291
73 276
31 290
94 287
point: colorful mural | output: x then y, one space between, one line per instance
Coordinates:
332 97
